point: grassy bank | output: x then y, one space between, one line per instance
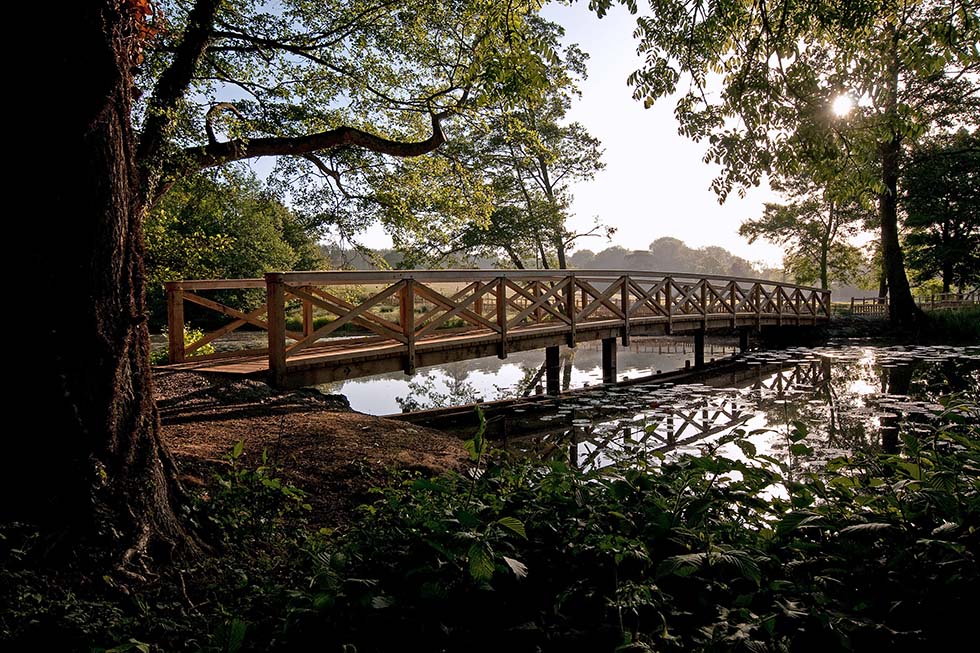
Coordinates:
695 554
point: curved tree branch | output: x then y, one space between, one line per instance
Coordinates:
215 110
216 154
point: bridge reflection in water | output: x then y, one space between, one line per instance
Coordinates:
660 418
409 319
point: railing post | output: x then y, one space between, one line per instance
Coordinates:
536 293
502 316
668 304
406 317
175 322
275 292
570 308
732 285
478 302
307 317
624 297
757 300
704 303
779 305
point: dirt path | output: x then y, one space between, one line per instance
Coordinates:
321 446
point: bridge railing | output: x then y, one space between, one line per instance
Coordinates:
410 308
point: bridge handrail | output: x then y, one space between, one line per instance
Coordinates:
488 303
342 277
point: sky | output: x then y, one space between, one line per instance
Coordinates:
655 183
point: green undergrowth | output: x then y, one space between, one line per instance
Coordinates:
697 553
955 325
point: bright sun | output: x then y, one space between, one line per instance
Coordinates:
843 105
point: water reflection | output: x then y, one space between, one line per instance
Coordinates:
848 398
520 375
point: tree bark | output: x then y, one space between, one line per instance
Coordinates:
102 469
901 306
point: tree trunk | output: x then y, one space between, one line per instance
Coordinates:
901 306
882 284
947 265
824 282
105 470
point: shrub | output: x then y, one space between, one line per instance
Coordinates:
191 335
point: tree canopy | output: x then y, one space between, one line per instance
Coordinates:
214 226
907 66
814 230
941 198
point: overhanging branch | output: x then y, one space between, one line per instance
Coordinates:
216 154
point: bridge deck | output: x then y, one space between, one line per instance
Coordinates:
500 311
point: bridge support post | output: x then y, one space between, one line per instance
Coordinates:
276 298
552 370
175 322
698 349
743 340
608 360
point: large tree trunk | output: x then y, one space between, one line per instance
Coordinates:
901 306
105 470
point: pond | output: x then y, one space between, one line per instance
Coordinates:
848 397
488 379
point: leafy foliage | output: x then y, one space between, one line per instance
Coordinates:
162 356
763 77
222 226
502 187
813 230
698 553
942 210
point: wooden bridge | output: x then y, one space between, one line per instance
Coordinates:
410 319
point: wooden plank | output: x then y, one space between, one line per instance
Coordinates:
276 301
225 330
175 324
541 302
218 284
453 309
407 317
343 319
502 316
624 299
339 306
647 297
345 277
601 299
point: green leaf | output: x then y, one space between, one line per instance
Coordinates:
800 449
870 527
747 448
481 564
238 449
514 524
235 636
681 565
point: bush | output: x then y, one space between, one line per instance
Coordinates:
955 325
191 335
698 553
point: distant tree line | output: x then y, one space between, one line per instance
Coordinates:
671 255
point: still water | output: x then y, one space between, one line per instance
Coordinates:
849 397
488 379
